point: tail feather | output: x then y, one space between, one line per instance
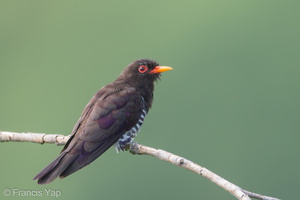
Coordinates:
55 168
72 159
49 167
86 158
69 162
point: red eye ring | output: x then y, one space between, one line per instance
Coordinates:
142 69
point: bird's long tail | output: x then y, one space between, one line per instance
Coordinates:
55 168
70 160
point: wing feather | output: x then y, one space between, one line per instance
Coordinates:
103 121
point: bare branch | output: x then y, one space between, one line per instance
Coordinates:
33 137
258 196
233 189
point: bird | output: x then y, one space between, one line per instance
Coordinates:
114 115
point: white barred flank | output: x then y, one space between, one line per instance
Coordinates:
128 137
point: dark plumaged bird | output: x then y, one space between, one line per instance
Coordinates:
113 116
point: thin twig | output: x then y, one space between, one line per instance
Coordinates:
258 196
233 189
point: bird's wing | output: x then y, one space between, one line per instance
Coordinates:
105 119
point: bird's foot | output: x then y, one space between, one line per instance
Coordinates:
134 148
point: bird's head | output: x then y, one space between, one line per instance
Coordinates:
143 70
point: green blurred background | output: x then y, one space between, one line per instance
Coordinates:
231 103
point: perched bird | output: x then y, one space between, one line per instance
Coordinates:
113 116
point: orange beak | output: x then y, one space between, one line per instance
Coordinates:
159 69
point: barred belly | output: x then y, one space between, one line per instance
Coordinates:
128 137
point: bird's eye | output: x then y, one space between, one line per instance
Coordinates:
142 68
